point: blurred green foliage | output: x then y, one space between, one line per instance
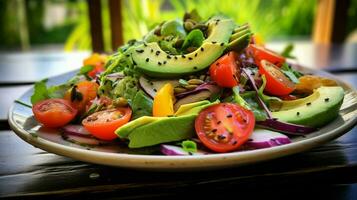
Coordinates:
270 19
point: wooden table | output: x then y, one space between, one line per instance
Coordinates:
328 171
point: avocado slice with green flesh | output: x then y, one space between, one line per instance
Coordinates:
156 130
164 130
315 110
153 61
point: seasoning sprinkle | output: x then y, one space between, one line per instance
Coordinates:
202 49
183 56
214 42
219 122
229 116
164 62
157 53
127 55
175 57
234 142
309 103
195 67
155 90
298 113
327 99
222 44
147 60
217 63
152 50
159 63
168 57
195 54
189 58
214 130
145 45
140 50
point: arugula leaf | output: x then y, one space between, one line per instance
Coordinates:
287 51
141 105
248 101
193 39
189 146
40 92
267 99
238 99
290 73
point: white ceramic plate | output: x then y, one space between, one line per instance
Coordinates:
22 122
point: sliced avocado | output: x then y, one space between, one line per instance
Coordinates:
184 109
194 108
170 128
164 130
155 62
123 131
315 110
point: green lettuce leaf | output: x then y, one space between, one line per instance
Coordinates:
141 105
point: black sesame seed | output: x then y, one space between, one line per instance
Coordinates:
234 142
152 50
164 62
195 67
195 54
222 44
155 90
183 56
219 122
127 55
229 116
214 130
147 60
308 104
327 99
140 50
298 113
168 57
214 42
189 58
157 53
145 45
202 49
175 57
217 63
159 63
134 63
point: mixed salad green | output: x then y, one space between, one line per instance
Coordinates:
192 86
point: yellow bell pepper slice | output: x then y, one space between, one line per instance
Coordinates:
164 101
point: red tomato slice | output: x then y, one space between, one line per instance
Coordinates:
87 91
260 53
224 127
54 113
277 83
103 124
224 71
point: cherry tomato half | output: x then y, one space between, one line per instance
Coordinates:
224 71
103 124
224 127
85 91
54 113
261 53
277 83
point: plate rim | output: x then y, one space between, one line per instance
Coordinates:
180 163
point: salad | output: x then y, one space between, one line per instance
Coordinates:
189 87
